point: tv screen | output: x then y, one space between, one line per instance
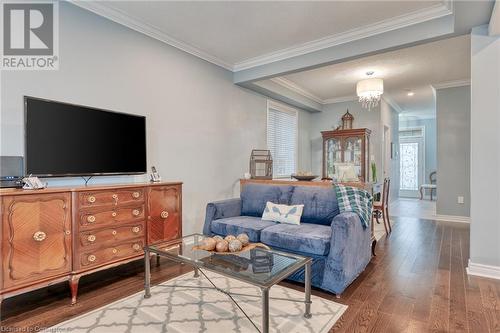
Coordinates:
63 140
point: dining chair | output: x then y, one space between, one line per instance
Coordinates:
382 207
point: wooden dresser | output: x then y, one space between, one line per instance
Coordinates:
60 234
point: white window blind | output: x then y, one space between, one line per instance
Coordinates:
282 139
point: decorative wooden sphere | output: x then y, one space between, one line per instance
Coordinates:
218 238
222 246
243 238
209 244
229 238
235 245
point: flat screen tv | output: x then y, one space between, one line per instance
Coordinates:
63 139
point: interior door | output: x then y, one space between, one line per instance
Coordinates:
411 159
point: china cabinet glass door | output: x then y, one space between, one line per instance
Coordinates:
352 153
333 155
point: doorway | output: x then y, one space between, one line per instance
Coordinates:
412 161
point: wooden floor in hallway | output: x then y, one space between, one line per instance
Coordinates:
416 283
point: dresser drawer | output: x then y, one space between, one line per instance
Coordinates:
103 237
91 219
110 197
90 258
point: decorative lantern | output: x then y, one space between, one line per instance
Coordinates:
347 119
261 164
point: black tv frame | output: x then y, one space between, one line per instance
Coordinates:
25 101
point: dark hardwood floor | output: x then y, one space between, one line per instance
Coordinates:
416 283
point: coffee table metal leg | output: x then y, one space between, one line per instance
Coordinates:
265 310
147 274
307 282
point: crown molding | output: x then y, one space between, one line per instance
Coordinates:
494 25
341 99
290 85
402 21
389 100
149 30
426 14
451 84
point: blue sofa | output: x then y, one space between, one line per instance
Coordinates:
337 243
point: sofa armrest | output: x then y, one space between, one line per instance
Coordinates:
349 251
219 210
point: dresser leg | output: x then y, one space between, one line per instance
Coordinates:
374 244
1 300
73 284
157 260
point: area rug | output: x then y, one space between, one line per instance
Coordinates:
175 306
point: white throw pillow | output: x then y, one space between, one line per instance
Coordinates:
283 213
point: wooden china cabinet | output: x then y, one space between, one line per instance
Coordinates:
347 146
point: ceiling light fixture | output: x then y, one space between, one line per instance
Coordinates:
410 93
370 91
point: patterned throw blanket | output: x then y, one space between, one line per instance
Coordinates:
355 200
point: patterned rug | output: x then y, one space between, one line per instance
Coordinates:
184 309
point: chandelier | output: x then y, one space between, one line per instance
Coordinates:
369 91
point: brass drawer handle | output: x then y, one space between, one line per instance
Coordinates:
67 232
136 247
91 238
136 212
164 214
136 195
91 258
113 214
115 196
91 219
136 229
91 199
113 232
39 236
115 251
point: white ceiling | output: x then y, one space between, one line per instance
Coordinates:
231 33
414 68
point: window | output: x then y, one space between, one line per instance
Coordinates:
409 166
411 132
282 138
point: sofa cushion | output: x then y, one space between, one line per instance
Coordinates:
306 238
252 226
255 196
320 204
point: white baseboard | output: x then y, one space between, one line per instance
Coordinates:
451 218
492 272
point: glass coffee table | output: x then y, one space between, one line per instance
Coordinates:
260 267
